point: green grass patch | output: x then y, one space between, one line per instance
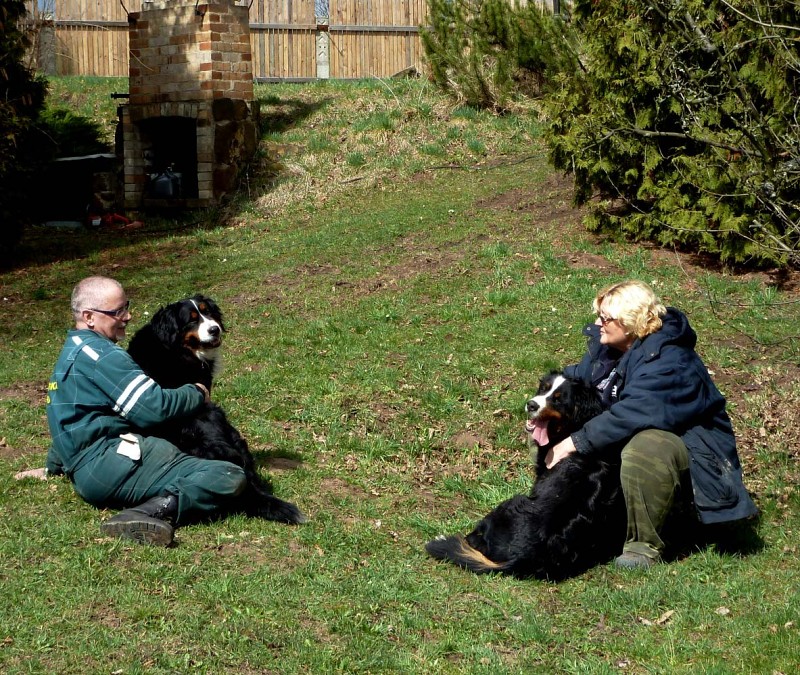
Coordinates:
386 323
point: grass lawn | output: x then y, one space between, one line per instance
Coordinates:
396 274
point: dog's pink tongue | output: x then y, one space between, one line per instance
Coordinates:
540 433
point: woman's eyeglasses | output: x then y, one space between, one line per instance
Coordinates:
604 319
114 313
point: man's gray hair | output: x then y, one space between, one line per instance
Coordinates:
92 292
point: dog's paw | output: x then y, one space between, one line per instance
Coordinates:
299 518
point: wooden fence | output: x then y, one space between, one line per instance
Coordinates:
290 41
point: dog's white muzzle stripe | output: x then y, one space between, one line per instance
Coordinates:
206 324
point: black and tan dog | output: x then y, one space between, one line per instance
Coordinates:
574 517
181 345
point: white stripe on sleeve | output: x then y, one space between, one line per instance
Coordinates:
91 353
132 402
135 382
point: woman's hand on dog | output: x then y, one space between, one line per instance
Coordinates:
558 452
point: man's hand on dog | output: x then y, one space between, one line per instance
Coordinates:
37 474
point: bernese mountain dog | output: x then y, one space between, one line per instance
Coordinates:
181 345
573 518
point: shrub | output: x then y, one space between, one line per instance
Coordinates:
71 134
21 99
487 52
685 123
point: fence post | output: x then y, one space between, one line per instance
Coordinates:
323 48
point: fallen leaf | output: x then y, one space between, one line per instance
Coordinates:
666 616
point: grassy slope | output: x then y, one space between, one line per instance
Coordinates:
400 274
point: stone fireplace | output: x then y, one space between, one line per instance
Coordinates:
191 123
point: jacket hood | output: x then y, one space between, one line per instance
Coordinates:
675 330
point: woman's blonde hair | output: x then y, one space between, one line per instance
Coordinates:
634 304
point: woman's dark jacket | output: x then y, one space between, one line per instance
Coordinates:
661 383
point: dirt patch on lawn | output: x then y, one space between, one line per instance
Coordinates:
551 204
765 408
7 452
33 393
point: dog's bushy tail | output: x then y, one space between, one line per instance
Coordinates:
457 550
270 507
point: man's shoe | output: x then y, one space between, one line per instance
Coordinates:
630 560
149 523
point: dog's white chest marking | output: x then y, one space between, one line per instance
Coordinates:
213 357
541 399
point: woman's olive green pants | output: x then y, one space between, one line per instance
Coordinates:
655 465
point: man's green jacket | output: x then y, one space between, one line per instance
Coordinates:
97 393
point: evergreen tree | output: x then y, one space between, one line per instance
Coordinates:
682 116
21 99
486 52
687 123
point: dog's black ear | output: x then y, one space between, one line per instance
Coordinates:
587 402
165 324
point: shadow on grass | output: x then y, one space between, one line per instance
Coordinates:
279 115
738 538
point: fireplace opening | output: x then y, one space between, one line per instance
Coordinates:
169 149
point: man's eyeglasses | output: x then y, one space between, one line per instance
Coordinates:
114 313
604 319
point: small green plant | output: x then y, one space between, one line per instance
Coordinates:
433 149
379 121
356 159
466 112
476 146
425 110
321 143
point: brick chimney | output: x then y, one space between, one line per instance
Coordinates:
191 122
